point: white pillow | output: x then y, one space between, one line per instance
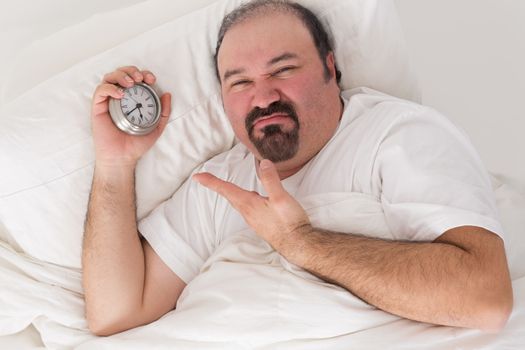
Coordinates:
46 148
92 34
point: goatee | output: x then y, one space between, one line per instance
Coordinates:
276 144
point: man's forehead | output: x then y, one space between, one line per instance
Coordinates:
264 37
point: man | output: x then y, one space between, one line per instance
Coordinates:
280 91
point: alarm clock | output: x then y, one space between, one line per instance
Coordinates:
138 111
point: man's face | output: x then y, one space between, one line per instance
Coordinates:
274 89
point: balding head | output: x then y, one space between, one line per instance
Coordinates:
259 8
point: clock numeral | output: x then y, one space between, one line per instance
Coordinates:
135 90
124 106
148 98
150 105
150 114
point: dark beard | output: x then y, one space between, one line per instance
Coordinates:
276 145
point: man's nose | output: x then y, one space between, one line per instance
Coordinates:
264 95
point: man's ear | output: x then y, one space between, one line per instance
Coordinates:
330 64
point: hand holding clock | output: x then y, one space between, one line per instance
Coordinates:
112 146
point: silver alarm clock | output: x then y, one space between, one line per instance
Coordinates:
138 112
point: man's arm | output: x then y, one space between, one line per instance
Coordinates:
125 282
461 279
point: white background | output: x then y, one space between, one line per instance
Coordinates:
470 58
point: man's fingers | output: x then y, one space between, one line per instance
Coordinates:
107 90
165 101
133 72
128 76
165 111
149 78
119 77
270 179
233 193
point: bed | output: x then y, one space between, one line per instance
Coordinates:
47 159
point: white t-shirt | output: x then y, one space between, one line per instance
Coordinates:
415 162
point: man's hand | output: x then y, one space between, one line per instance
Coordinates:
276 218
113 146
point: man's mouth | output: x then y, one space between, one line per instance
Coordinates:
271 119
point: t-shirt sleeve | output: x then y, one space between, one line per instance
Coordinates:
432 179
180 230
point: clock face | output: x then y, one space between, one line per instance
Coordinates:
139 106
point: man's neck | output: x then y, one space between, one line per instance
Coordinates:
284 172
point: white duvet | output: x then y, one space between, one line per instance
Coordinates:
246 297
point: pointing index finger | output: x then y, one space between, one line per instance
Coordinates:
233 193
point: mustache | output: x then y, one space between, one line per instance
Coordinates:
276 107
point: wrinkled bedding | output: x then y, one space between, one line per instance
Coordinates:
246 297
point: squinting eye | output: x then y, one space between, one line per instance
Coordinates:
283 70
240 83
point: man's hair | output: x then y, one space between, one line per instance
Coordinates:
257 7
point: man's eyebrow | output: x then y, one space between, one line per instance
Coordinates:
229 73
285 56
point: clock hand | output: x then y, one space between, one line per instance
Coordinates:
131 111
139 106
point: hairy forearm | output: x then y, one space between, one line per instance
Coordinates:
112 258
429 282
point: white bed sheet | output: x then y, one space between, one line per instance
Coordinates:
29 338
382 337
